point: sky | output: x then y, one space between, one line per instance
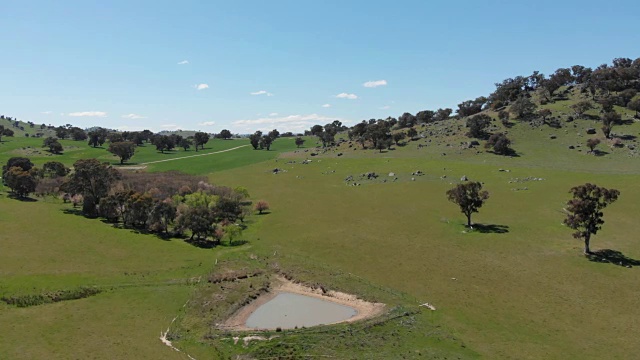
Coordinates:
247 65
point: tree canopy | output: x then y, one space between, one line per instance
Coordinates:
469 196
584 210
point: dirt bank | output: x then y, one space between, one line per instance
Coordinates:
365 309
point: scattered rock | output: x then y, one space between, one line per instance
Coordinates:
392 174
464 178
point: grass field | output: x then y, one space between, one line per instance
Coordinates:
517 288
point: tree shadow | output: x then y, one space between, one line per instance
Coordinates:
490 228
614 257
234 243
510 153
626 122
201 243
73 211
597 152
626 137
22 198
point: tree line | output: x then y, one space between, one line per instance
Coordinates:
168 204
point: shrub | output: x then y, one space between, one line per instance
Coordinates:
51 297
262 206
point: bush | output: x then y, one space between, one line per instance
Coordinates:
51 297
262 206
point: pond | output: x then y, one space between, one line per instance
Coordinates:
288 310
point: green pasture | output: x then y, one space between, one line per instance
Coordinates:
515 288
524 293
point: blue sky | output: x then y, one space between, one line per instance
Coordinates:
285 64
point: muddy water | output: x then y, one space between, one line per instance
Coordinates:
288 310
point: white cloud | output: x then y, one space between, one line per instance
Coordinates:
183 62
89 113
347 96
201 86
262 92
273 114
385 107
46 112
207 123
375 83
294 123
326 105
133 116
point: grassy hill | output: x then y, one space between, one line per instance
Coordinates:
516 287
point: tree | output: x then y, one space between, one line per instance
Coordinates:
503 115
262 206
97 137
607 103
225 134
443 114
185 144
299 141
54 146
163 213
592 143
522 108
199 139
232 231
93 180
425 116
471 107
62 132
21 182
635 106
477 125
411 133
124 150
626 96
54 169
78 134
327 138
544 114
115 137
255 139
382 143
7 132
163 142
265 142
584 210
608 120
316 130
581 107
273 134
469 196
407 120
500 144
399 136
22 162
139 208
199 220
